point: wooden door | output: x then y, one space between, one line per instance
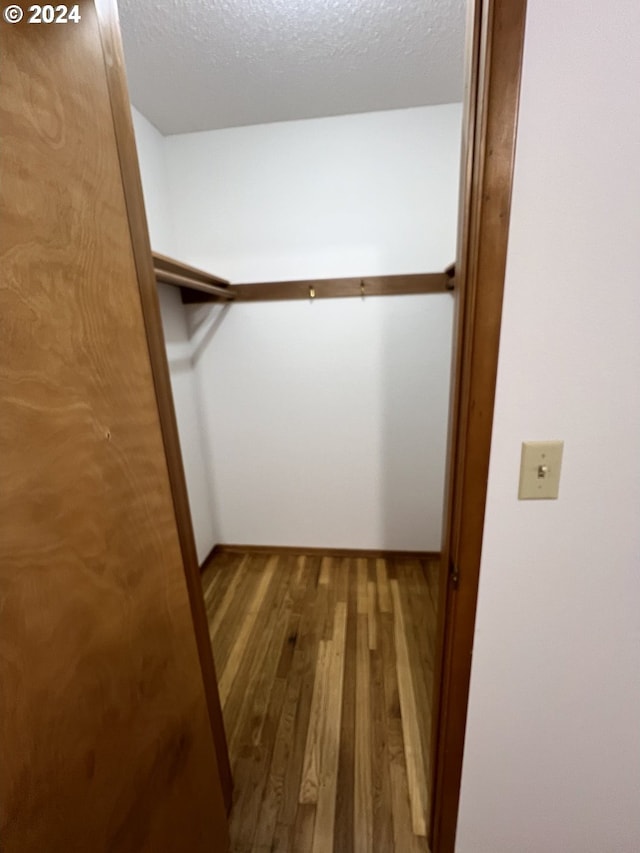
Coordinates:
105 735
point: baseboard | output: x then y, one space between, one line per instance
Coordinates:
208 558
321 552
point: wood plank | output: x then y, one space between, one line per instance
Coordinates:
273 797
404 838
281 842
207 578
345 807
252 774
185 283
325 571
363 591
329 589
285 662
246 706
172 265
390 671
268 673
305 656
319 671
302 834
231 668
384 595
434 569
403 835
215 578
363 818
334 288
341 578
310 783
299 580
221 608
414 758
292 782
323 830
371 616
227 631
380 777
419 635
422 622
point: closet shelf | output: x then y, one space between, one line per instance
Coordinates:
334 288
198 286
190 280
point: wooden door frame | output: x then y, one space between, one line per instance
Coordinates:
494 60
495 36
126 144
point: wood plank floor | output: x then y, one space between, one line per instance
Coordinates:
325 667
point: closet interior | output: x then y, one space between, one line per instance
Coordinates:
303 261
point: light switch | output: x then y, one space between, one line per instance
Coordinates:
540 470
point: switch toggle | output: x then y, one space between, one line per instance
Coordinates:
540 470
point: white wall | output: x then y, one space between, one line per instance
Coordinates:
350 195
552 753
151 155
153 172
326 422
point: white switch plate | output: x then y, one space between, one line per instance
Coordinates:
540 470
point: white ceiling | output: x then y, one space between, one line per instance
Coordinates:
206 64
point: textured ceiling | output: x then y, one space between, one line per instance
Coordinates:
205 64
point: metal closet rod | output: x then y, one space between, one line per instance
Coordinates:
193 283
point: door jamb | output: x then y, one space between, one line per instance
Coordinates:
494 67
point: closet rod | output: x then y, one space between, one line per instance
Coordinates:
166 277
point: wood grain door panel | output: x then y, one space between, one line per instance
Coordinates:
104 731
